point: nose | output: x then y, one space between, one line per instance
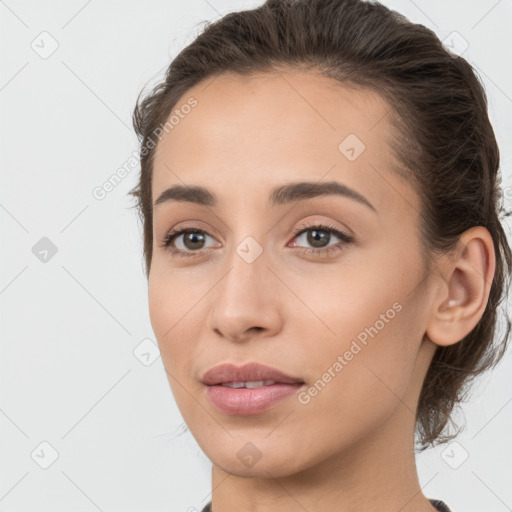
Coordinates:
245 303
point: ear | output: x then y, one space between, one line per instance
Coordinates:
466 280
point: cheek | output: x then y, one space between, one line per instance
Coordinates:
169 298
168 316
360 345
355 387
367 341
160 305
175 318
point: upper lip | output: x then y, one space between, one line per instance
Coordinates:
228 372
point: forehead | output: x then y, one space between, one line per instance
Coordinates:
262 130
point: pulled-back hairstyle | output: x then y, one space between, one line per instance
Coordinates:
441 132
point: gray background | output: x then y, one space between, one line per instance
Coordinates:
71 370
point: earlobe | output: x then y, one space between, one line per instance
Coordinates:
465 286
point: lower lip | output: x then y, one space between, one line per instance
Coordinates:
245 401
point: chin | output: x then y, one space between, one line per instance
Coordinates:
255 458
277 467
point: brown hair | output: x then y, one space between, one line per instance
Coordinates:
442 133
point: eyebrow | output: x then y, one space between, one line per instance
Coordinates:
278 196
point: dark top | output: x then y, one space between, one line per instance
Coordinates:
440 505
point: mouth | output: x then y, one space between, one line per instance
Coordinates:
251 384
253 374
248 373
249 389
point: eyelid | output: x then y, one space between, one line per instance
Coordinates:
345 238
322 225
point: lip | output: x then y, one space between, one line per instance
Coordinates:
246 401
228 372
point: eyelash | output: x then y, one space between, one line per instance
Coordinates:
328 228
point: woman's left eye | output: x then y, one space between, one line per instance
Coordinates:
317 236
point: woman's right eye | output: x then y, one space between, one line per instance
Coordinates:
185 242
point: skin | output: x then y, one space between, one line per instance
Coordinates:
352 446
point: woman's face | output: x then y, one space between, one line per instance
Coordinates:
346 318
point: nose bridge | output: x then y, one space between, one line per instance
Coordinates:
247 277
247 257
245 297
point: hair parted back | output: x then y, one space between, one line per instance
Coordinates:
442 137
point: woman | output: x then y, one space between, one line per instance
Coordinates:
320 199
